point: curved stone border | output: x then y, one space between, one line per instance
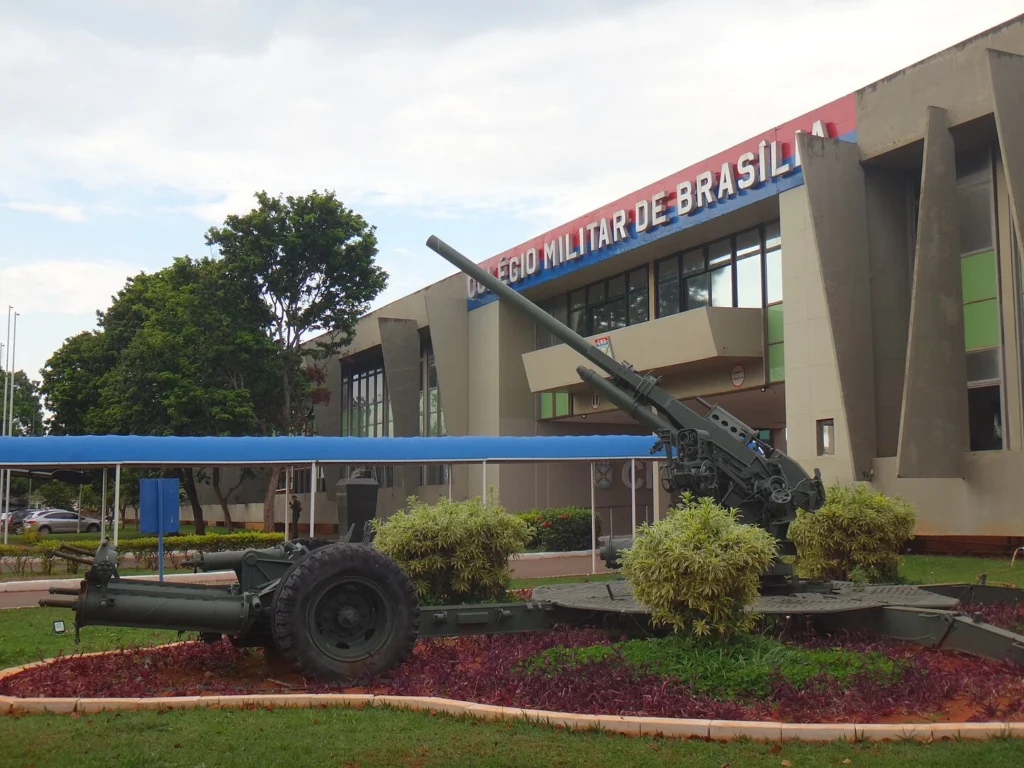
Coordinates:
716 730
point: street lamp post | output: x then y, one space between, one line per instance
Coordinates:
10 424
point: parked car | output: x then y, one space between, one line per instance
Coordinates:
60 521
17 520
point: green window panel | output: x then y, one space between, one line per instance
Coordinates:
774 323
981 324
562 404
776 362
978 274
546 405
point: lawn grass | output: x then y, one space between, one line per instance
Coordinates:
26 635
382 737
940 569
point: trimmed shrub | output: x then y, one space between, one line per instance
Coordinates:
454 551
856 535
699 568
562 529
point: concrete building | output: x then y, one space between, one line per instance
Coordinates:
849 282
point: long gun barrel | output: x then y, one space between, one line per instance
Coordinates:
714 454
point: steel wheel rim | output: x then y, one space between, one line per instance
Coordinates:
350 618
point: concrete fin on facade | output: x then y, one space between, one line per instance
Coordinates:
448 318
400 346
934 426
838 219
1006 71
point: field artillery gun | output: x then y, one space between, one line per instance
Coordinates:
711 455
340 612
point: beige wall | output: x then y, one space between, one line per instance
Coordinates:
700 335
812 376
889 112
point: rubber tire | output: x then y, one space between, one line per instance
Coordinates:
43 529
93 529
325 564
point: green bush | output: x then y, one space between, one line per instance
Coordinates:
562 529
454 551
856 535
698 569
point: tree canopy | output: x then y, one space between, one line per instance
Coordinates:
218 346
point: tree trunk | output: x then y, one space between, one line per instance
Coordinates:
222 499
193 498
268 500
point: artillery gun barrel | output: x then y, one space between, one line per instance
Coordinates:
566 334
47 602
623 401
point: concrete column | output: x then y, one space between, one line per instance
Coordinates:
448 317
838 220
934 428
1006 71
400 343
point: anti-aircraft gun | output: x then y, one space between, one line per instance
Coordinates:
714 454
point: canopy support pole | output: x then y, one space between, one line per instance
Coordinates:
483 493
117 499
593 522
314 486
103 511
632 488
449 482
287 498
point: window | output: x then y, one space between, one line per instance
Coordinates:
742 270
431 417
826 429
603 306
979 272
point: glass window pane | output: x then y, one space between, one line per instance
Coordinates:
579 322
776 362
668 298
546 405
772 235
639 307
595 293
616 286
721 287
748 243
693 261
638 280
667 270
773 276
600 319
561 403
978 273
748 282
983 365
578 299
719 252
775 318
616 314
973 167
981 324
697 290
975 212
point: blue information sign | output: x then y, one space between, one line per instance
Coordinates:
159 511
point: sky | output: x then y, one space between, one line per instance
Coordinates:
130 128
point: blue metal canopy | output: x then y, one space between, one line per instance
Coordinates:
137 450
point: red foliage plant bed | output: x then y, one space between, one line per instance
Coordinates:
600 675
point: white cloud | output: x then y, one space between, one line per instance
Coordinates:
544 120
61 287
70 213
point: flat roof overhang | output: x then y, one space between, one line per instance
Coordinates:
99 451
698 336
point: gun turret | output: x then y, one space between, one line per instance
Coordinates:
712 454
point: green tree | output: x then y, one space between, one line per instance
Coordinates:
181 352
312 261
28 411
71 382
